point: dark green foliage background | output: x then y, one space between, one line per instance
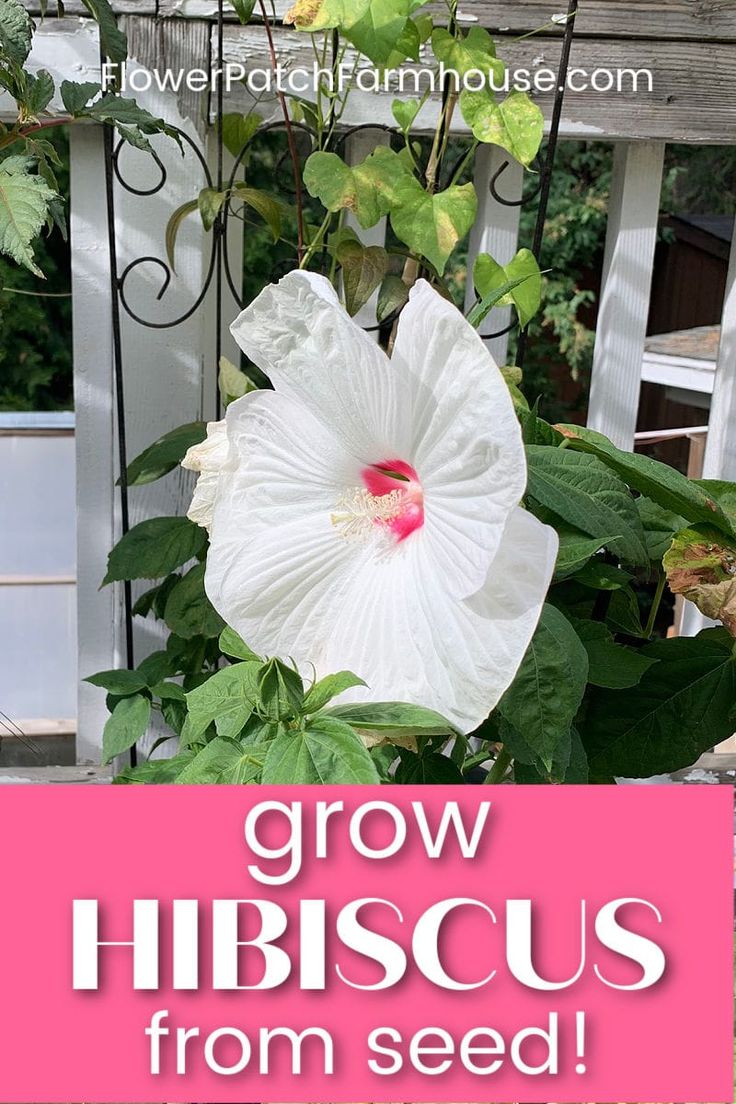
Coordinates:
36 331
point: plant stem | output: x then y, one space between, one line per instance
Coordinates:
289 137
316 241
497 772
39 294
661 582
18 135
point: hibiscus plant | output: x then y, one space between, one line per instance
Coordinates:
393 569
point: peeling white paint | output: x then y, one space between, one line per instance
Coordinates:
700 775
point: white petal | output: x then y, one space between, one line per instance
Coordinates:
202 507
276 562
299 335
210 454
207 458
467 444
405 636
282 464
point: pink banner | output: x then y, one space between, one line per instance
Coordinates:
393 943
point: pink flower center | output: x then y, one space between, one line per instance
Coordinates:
399 479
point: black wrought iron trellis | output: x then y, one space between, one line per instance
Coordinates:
218 266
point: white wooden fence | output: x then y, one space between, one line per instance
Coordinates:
170 375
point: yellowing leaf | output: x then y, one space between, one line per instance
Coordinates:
362 189
516 124
701 567
432 225
319 15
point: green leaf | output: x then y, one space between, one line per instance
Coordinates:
389 717
405 113
392 296
132 122
16 31
492 299
263 204
572 770
363 269
610 665
328 688
237 130
224 761
683 705
227 698
155 771
233 645
232 383
664 485
383 32
244 9
525 296
474 52
189 611
24 204
428 770
623 613
119 683
587 494
168 691
113 42
155 667
280 691
165 454
153 548
660 526
327 752
536 431
544 698
172 228
125 726
75 97
359 189
603 576
576 548
723 493
40 91
516 123
432 225
209 202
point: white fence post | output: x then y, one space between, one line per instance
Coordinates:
97 610
495 231
627 279
720 452
169 374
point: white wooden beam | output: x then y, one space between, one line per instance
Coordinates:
495 231
720 452
98 611
627 279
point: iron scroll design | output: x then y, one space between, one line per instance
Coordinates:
218 267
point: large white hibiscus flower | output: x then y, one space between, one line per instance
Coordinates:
367 514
